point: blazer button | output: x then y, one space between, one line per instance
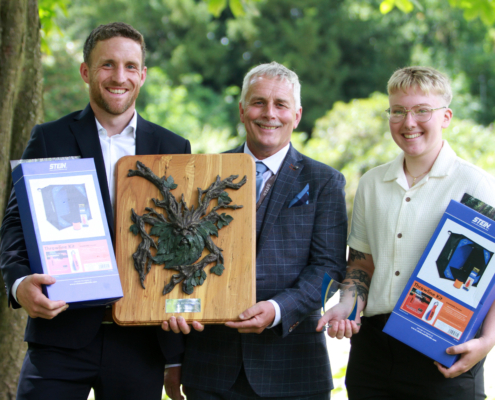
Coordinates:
293 327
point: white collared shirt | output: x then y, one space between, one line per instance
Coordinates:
274 162
394 223
114 148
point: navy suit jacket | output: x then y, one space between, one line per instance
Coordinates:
76 135
295 247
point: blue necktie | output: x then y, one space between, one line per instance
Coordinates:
260 170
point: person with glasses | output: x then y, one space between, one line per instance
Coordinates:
396 210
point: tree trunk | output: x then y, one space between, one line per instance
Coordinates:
20 109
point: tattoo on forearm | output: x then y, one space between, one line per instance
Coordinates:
356 255
362 281
362 292
360 276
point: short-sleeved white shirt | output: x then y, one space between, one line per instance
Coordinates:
394 223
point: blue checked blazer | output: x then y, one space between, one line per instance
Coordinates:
295 247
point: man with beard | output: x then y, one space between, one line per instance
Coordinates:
72 351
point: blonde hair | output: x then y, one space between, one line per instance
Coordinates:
426 79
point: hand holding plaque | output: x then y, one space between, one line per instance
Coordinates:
179 325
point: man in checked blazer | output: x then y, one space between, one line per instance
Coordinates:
274 351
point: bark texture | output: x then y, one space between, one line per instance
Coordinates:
20 109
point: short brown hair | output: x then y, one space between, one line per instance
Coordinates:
426 79
108 31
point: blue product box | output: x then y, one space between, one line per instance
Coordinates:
66 230
451 288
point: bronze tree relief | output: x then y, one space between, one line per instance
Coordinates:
184 233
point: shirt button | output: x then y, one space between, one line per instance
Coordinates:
399 235
397 273
408 199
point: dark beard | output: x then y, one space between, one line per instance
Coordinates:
103 104
100 102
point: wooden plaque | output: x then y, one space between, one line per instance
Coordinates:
222 298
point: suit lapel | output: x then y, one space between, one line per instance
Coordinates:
289 172
84 129
239 149
147 140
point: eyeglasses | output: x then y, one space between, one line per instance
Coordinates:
419 113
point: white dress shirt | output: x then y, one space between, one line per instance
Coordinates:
114 148
394 222
274 162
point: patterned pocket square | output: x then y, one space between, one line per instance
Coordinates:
301 198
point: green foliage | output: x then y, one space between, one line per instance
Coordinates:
63 89
473 142
224 220
189 109
134 229
169 183
196 280
207 58
216 6
181 248
217 269
388 5
189 286
224 198
185 247
483 9
197 62
173 253
47 10
239 8
170 251
208 228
